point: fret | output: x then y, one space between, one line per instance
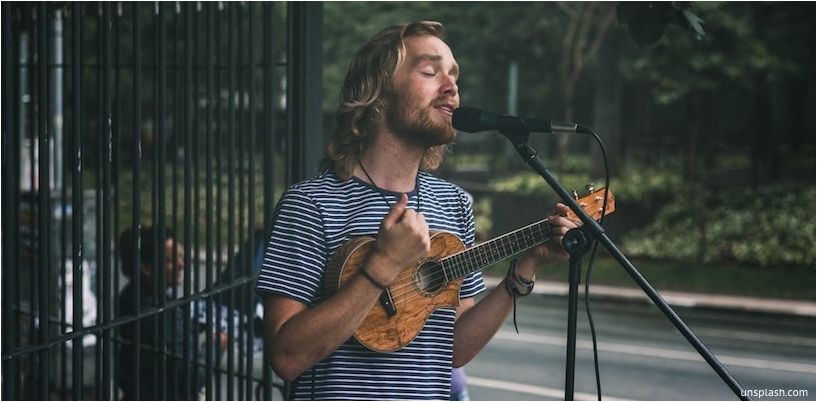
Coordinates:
488 253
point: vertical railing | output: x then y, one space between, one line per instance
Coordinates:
10 186
107 198
209 229
43 215
172 119
136 206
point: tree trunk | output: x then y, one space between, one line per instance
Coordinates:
607 96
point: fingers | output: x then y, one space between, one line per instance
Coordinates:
560 209
396 212
402 240
562 222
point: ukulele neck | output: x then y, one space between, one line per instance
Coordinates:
483 255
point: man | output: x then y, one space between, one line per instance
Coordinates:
392 126
148 347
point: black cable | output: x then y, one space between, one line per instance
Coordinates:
590 264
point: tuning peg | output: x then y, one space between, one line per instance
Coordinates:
575 195
590 187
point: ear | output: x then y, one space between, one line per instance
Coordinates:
145 270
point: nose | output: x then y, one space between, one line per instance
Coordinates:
449 85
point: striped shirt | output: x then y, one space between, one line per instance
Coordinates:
315 217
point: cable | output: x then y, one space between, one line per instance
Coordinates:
592 259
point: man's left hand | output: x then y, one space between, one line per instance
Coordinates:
552 249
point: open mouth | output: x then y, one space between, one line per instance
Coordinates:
446 109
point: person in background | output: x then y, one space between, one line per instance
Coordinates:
148 348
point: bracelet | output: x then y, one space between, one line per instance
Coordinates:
515 285
372 280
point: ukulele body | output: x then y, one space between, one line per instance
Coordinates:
419 290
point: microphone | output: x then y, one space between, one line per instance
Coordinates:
472 120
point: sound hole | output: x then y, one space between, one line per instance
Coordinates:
429 277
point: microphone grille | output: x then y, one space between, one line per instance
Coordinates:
467 119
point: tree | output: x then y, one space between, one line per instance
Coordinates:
588 23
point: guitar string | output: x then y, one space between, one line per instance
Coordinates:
462 267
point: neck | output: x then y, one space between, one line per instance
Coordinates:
392 164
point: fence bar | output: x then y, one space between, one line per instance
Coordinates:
250 298
98 194
231 161
117 127
243 256
188 194
11 217
196 127
160 197
304 92
44 194
59 133
76 192
219 174
173 134
107 192
238 258
269 154
210 134
136 217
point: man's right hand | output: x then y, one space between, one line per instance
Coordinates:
402 241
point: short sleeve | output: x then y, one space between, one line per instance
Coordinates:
473 284
296 253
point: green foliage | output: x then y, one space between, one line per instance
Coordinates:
744 43
767 227
482 213
635 184
643 184
772 227
647 21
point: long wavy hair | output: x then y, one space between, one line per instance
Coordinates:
364 94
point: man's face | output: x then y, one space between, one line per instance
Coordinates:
174 263
425 93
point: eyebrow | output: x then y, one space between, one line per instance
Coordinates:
433 58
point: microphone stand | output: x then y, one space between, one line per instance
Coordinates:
576 244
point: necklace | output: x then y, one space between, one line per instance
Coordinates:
379 190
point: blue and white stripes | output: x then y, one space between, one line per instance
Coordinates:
315 217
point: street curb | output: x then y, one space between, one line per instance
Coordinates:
680 299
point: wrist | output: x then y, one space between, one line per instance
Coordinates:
375 268
526 268
515 284
376 283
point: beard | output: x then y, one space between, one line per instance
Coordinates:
416 124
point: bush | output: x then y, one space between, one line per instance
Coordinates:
769 227
636 184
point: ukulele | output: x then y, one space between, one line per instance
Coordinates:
434 282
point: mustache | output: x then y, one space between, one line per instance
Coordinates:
445 100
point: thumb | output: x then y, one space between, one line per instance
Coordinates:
396 212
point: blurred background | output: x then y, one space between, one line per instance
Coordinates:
197 116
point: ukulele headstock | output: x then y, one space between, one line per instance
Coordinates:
593 202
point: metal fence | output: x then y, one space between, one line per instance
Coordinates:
130 116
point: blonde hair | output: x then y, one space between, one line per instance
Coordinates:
363 96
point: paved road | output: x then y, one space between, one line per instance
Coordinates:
642 356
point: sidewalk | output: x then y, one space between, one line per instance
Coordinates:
681 299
